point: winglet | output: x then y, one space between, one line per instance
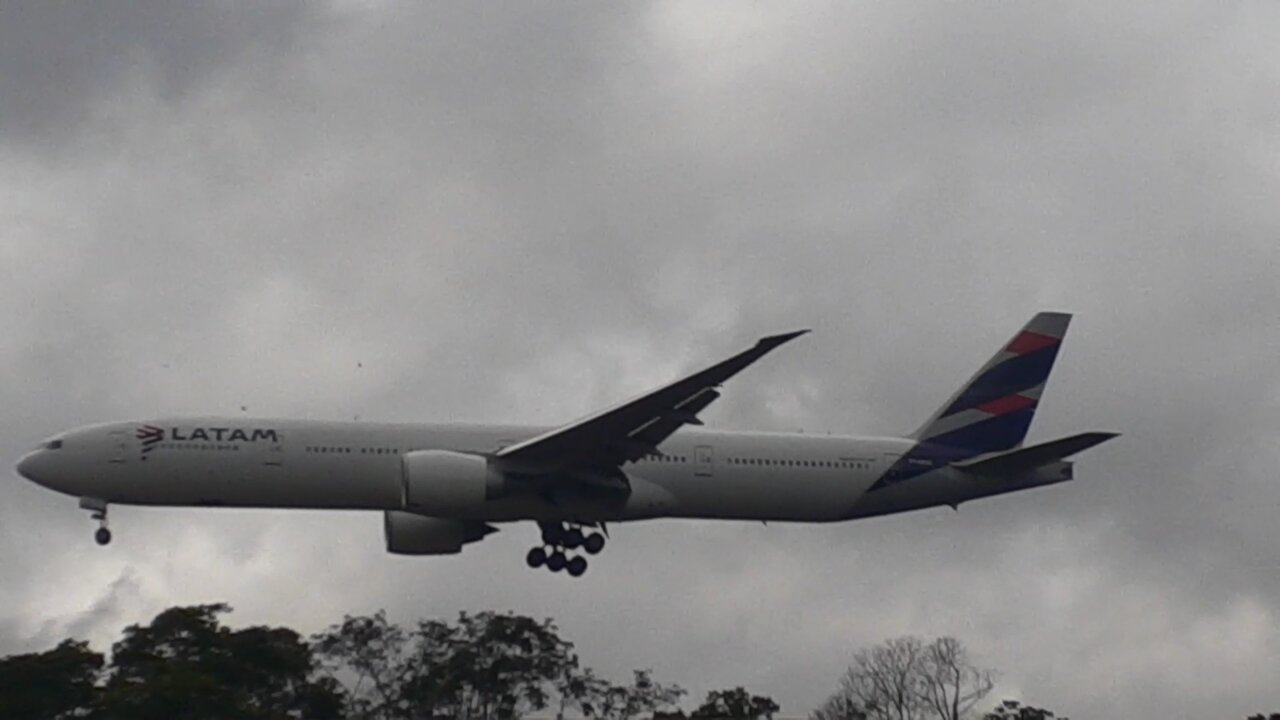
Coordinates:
773 341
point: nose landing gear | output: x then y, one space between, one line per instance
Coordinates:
556 540
98 511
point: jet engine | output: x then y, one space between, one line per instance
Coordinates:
440 482
410 534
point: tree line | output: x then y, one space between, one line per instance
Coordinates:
186 664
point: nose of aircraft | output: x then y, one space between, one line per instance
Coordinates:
29 466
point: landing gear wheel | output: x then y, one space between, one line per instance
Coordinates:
572 538
537 557
594 543
552 534
556 561
102 536
577 566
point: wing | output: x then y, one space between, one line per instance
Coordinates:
635 428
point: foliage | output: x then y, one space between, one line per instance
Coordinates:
1013 710
484 666
373 655
580 688
840 706
186 664
737 704
58 683
623 702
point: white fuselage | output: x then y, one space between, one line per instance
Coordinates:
277 463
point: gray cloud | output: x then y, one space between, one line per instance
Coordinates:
523 215
60 61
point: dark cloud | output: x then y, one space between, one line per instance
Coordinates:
60 60
455 212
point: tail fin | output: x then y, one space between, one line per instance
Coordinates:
991 412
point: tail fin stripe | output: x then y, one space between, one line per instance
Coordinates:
1007 404
1028 341
1026 399
999 432
1019 373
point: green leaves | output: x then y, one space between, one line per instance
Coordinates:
187 664
58 683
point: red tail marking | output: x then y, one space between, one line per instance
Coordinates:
1028 341
1006 404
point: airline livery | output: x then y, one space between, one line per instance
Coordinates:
442 486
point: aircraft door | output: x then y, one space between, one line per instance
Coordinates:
275 453
703 461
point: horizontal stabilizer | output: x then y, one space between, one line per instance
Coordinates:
1027 459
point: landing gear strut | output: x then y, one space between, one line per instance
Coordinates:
556 539
98 511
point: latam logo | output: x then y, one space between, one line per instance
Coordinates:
150 436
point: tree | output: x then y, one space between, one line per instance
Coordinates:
580 688
623 702
908 679
374 655
1260 716
737 704
839 707
55 684
1013 710
950 684
885 679
481 667
486 666
186 664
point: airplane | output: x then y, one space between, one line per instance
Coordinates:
443 486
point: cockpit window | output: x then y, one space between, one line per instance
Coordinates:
53 445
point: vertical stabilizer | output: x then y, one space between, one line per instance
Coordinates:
993 411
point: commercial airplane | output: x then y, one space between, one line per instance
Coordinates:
442 486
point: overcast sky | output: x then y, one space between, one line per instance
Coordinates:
523 212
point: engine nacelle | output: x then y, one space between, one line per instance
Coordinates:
440 482
409 534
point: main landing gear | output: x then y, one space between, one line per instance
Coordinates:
557 538
98 510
